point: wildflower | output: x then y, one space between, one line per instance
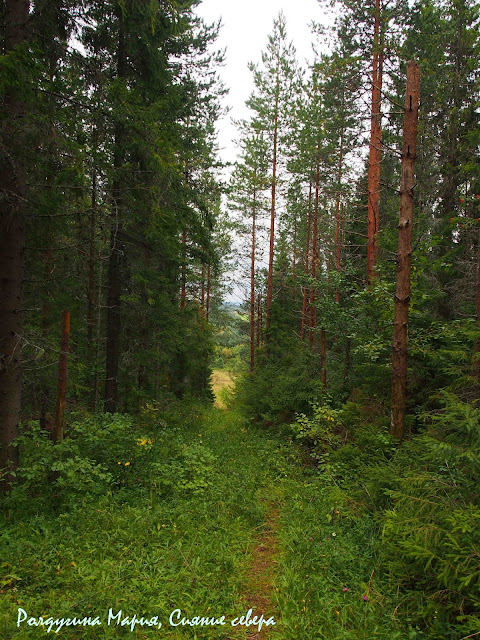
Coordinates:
461 200
119 463
345 589
127 463
337 612
333 534
310 538
365 598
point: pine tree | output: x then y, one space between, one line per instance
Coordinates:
275 83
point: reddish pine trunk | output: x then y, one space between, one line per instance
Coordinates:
252 288
12 248
375 153
307 253
272 215
404 254
62 378
312 316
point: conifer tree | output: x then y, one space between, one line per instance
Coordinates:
276 82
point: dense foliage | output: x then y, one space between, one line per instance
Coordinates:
113 210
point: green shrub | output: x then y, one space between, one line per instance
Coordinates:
431 535
189 472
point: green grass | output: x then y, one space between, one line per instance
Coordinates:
144 553
329 586
186 543
222 381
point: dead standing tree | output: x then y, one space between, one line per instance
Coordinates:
404 254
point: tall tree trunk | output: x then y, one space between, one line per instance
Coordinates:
338 219
323 356
404 254
375 152
476 355
307 254
62 378
116 255
91 253
208 293
252 286
96 386
294 254
113 323
272 211
346 370
202 300
183 293
259 318
312 315
12 248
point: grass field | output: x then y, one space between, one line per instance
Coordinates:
221 380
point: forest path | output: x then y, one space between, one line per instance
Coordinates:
263 567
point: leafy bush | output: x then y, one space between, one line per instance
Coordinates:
54 474
317 432
191 471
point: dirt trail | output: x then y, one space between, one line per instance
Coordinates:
261 572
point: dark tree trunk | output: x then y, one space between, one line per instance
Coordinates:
323 356
338 218
375 153
116 254
202 301
207 317
91 255
113 324
312 315
476 356
12 247
259 318
62 378
404 254
346 370
307 254
183 293
252 287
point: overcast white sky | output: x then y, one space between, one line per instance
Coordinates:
246 25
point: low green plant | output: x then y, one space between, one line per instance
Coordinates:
431 534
